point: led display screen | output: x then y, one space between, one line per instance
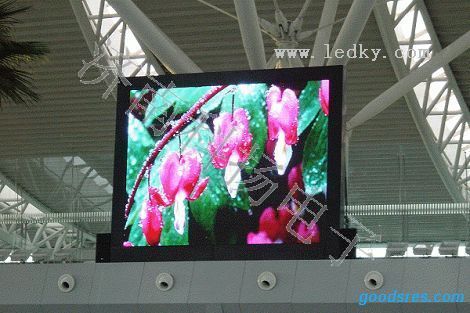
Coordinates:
227 165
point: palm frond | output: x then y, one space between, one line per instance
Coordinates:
8 10
15 83
12 52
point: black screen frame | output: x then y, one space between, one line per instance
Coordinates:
329 219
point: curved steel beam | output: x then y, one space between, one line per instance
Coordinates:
154 38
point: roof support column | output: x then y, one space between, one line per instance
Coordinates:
324 31
352 28
154 38
403 86
251 33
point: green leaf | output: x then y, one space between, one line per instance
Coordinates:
314 163
251 97
309 105
140 197
138 147
181 99
169 236
136 235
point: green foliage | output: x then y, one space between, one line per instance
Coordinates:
181 99
309 105
314 163
139 145
136 235
16 83
140 197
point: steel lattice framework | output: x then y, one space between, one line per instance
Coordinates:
109 38
26 234
29 228
436 104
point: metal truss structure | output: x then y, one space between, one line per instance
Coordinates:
48 237
111 40
436 103
30 229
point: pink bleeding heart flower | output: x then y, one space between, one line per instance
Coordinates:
324 95
270 145
283 111
269 224
274 223
308 233
179 175
284 215
231 145
152 222
258 238
295 178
